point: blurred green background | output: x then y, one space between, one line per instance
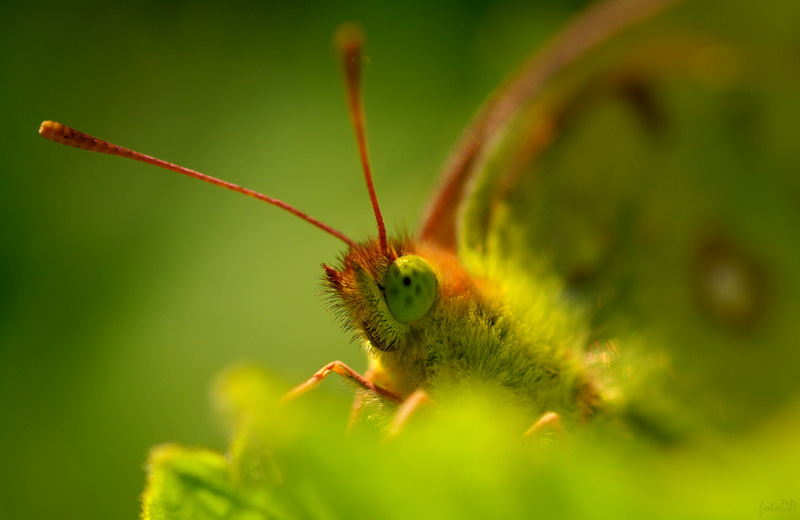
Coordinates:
124 289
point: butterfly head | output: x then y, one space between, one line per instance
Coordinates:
384 297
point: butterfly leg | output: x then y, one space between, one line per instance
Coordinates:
548 421
345 371
407 408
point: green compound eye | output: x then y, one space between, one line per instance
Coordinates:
410 288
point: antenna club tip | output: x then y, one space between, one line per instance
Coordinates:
65 135
349 37
61 134
50 129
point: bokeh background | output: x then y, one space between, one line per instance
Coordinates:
125 289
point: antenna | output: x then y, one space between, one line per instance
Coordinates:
59 133
349 39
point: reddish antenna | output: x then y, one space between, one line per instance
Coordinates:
349 39
59 133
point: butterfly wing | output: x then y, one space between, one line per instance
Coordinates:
440 223
653 166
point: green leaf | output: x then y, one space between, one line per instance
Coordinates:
468 460
190 483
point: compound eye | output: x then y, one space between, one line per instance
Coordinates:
410 288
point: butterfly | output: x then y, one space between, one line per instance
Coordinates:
423 318
594 238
